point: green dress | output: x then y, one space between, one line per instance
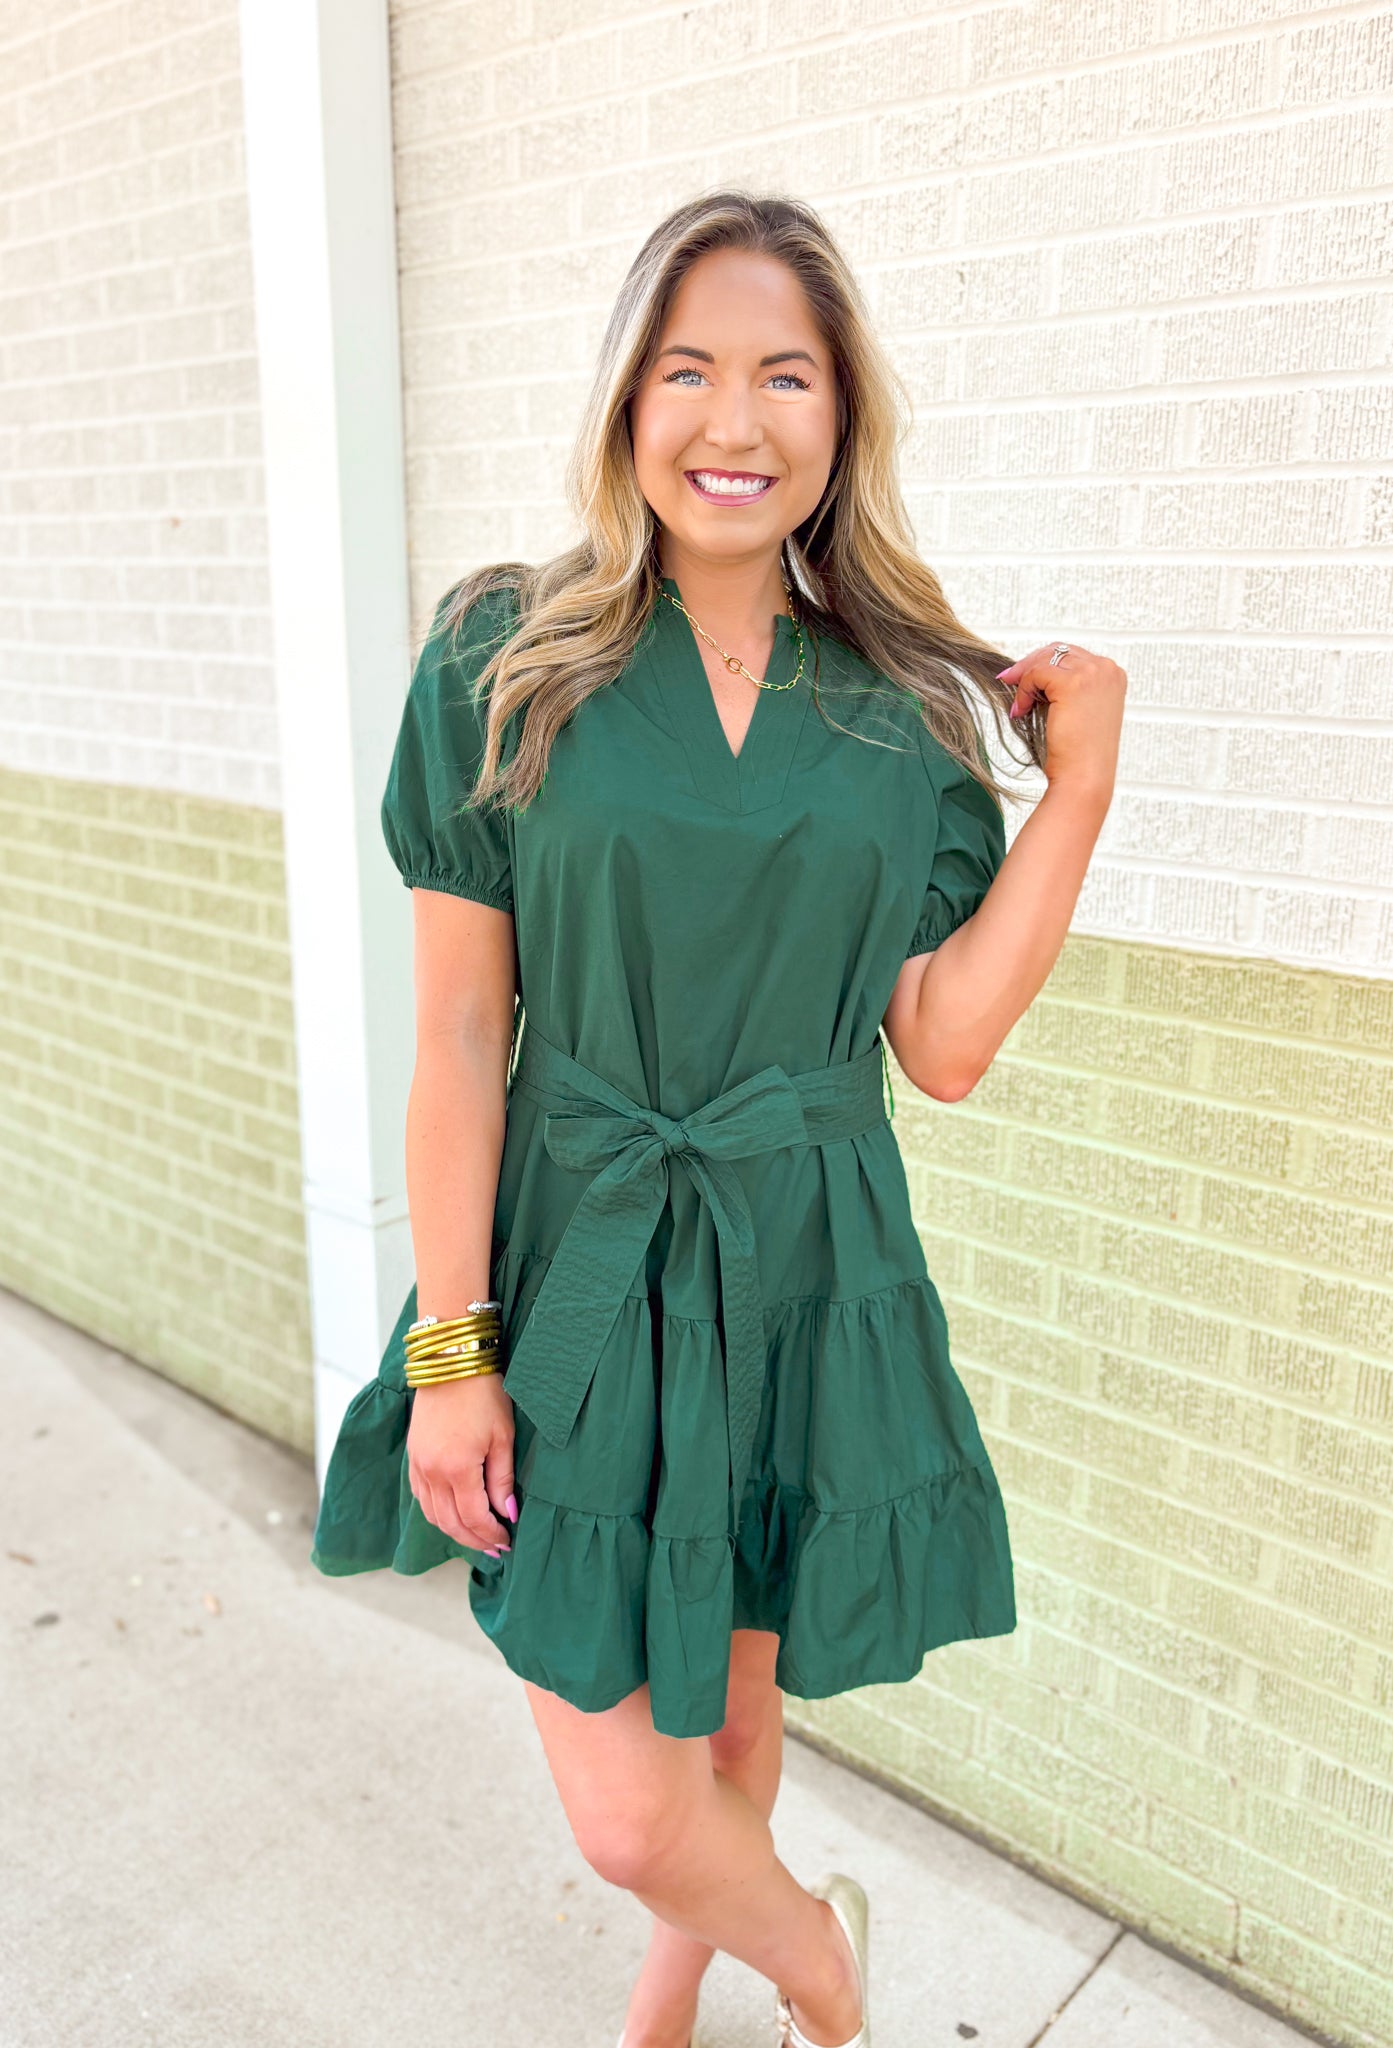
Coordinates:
733 1400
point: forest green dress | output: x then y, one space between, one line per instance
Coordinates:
732 1393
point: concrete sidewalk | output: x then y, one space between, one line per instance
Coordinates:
246 1805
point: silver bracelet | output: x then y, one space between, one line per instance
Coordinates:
471 1308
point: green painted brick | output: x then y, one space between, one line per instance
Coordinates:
1234 1861
1313 1585
943 1719
1343 1310
1101 1796
1082 1556
1035 1475
1348 1166
1364 1802
987 1690
1107 1042
1255 995
1275 1502
1255 1757
1342 1457
1020 1348
1287 1366
1029 1095
1372 1400
149 1028
956 1786
1261 1631
1365 1937
1361 1013
1157 1769
1173 1528
149 810
1341 1086
1115 1874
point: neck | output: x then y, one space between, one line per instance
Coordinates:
738 598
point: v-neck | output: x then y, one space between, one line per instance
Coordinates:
757 775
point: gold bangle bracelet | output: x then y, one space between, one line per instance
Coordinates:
465 1372
453 1364
451 1351
486 1319
431 1339
463 1347
475 1339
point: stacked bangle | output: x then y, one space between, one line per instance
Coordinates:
455 1350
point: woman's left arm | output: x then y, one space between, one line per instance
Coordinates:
952 1007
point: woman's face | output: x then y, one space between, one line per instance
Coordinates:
734 426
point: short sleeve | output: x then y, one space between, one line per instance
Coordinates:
968 852
436 842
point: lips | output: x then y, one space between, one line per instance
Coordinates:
730 486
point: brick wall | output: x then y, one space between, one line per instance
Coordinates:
1163 1230
134 629
149 1137
1132 263
149 1178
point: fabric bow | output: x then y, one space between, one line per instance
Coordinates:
629 1149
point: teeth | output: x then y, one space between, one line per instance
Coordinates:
732 487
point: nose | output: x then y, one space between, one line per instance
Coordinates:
732 424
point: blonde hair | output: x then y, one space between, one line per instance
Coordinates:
852 563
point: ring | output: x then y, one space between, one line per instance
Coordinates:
1061 648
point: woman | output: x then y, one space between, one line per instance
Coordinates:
707 793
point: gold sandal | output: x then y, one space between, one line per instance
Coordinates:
847 1900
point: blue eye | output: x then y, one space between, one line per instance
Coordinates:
793 377
672 375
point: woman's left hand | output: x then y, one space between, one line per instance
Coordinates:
1083 694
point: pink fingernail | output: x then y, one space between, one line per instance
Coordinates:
510 1508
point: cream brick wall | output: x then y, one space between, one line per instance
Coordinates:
1132 262
134 638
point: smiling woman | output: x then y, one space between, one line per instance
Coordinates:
707 792
746 431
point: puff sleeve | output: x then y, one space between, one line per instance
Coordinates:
970 847
434 841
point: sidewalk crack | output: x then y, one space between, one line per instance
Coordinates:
1065 2003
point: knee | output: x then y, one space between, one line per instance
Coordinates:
632 1841
745 1729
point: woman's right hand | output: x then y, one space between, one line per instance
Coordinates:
459 1450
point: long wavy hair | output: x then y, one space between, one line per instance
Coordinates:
852 563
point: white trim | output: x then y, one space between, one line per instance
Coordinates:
316 89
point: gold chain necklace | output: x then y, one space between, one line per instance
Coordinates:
733 661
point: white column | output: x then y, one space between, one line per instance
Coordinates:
315 78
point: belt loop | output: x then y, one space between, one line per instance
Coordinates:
885 1072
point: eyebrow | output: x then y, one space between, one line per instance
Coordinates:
788 355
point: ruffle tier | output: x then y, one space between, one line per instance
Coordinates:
872 1530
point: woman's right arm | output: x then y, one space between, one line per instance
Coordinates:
460 1443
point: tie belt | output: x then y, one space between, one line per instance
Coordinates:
593 1127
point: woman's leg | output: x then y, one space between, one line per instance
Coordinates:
652 1814
749 1751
